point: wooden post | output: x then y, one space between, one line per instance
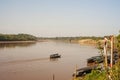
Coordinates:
111 62
105 52
53 77
75 71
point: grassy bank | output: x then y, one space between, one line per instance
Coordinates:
106 73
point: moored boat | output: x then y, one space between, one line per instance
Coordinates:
83 71
95 59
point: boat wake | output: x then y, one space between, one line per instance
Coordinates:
25 61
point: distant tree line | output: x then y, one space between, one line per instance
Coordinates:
17 37
74 38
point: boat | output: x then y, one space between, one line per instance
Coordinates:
95 59
83 71
55 56
116 57
100 59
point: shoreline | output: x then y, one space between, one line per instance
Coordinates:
88 42
22 41
17 41
83 41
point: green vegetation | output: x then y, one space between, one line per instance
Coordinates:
76 38
18 37
26 37
72 39
111 74
118 43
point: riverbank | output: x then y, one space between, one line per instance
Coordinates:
23 41
91 42
17 41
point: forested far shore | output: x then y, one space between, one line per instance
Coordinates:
17 37
28 37
73 38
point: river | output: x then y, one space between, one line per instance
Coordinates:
30 61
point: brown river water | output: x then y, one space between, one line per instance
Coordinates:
30 61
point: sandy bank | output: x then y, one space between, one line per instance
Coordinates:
89 41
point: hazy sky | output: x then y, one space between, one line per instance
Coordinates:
51 18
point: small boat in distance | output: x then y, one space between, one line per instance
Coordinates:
55 56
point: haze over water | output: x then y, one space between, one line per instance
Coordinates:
31 61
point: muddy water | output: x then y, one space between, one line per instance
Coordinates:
31 61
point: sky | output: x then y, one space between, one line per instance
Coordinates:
57 18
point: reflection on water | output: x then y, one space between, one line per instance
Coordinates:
54 59
13 45
25 61
31 61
